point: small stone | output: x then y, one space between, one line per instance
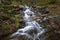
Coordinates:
0 1
21 6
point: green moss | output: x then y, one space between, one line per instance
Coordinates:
6 27
17 23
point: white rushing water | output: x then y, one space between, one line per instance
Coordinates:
30 25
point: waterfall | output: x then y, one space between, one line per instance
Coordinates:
30 24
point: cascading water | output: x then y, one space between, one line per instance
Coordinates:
30 25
